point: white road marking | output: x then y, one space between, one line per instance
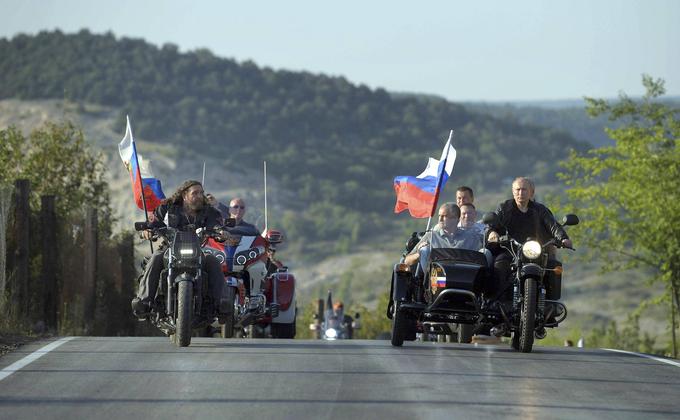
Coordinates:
658 359
31 357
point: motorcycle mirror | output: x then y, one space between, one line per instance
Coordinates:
141 226
230 222
570 220
489 218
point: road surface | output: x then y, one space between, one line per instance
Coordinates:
149 378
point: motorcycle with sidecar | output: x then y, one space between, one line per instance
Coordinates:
454 294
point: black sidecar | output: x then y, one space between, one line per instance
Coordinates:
443 299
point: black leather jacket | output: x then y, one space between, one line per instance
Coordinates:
208 217
537 223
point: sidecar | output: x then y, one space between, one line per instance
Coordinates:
443 298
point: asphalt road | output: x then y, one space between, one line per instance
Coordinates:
149 378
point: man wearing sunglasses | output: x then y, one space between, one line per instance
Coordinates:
237 209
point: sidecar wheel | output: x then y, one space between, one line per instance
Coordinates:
227 329
515 340
465 333
398 327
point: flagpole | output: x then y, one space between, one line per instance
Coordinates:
139 174
203 179
439 179
265 196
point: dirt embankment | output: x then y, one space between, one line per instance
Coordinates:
11 342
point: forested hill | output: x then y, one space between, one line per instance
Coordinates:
336 143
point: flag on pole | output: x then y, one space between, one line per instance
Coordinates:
140 174
419 194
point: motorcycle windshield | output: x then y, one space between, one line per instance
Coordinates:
186 246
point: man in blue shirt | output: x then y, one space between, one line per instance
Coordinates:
445 234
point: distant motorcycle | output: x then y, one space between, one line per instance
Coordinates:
332 323
183 296
264 298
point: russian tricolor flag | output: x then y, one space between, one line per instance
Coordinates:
140 174
419 194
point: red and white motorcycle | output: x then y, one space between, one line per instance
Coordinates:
263 290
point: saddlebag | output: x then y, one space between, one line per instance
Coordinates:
553 281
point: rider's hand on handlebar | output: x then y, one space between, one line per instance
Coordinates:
147 234
493 237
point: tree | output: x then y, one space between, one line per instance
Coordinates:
628 195
57 161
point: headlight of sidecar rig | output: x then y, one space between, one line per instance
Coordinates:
531 250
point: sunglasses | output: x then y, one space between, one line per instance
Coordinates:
238 207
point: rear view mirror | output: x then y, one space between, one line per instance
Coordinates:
141 226
570 220
490 218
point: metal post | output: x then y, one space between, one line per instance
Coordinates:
90 269
48 230
20 287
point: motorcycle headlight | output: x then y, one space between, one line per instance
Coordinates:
331 333
531 250
186 252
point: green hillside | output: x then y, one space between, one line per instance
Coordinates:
301 120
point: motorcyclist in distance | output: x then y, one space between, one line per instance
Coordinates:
237 209
521 217
187 208
345 320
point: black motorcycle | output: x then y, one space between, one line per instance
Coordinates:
536 287
453 294
183 301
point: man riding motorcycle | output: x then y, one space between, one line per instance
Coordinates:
188 208
521 218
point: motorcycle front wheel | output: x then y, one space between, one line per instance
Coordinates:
185 298
523 339
227 329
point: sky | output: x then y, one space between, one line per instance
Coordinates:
504 50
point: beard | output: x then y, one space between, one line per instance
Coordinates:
196 206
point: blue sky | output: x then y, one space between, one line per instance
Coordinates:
461 50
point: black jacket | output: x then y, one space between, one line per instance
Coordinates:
208 217
537 223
